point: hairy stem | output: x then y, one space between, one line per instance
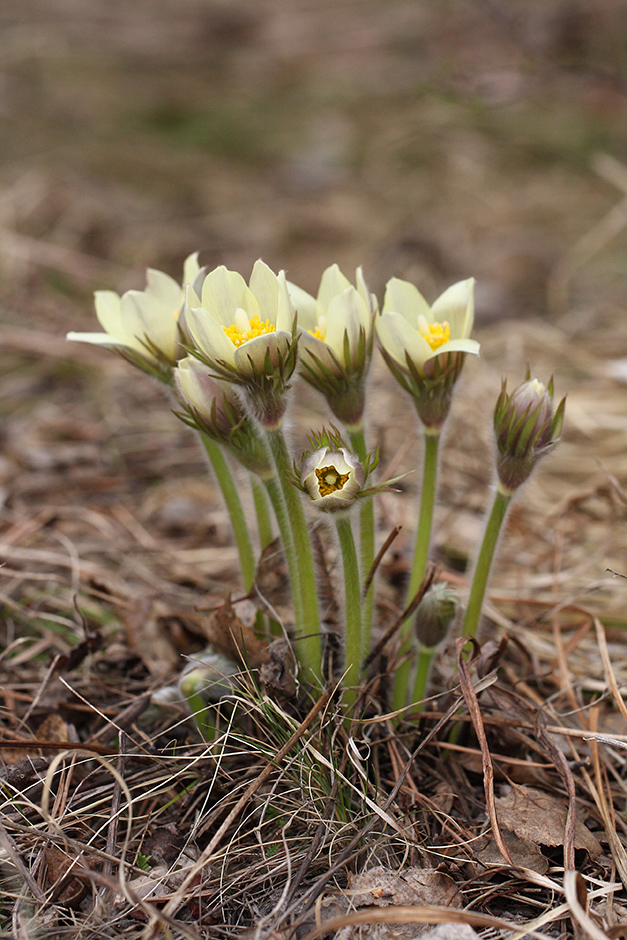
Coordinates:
352 609
484 562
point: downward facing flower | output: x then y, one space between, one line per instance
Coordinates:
244 333
213 406
143 326
527 427
336 338
425 346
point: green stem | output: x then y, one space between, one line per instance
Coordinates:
281 514
264 522
484 562
352 609
234 506
366 543
423 671
419 564
308 642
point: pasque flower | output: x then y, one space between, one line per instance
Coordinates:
425 346
336 339
245 333
332 478
214 407
143 326
527 427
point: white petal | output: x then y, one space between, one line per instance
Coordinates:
399 339
405 298
109 312
332 282
152 320
163 290
223 291
456 306
265 287
285 312
209 336
457 345
250 357
96 339
346 314
305 306
191 269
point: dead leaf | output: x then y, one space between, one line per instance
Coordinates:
524 852
233 637
147 637
384 887
541 818
69 886
278 673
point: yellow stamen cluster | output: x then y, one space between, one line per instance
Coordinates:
330 481
318 333
436 334
257 328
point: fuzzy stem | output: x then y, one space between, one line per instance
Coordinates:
264 522
423 671
234 506
421 556
366 543
484 562
308 642
352 608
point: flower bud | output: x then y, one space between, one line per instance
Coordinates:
333 479
435 613
527 427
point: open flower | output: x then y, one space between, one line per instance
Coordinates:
214 407
425 346
335 339
143 325
332 478
527 427
245 333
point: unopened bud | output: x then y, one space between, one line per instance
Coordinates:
435 613
527 428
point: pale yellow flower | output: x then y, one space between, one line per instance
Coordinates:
335 340
144 323
410 329
332 478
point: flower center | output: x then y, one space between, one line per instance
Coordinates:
244 329
436 334
330 481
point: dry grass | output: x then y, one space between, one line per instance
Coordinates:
420 143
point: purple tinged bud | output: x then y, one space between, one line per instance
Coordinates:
527 428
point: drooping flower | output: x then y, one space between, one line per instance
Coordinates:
143 326
527 427
214 407
245 334
425 346
336 340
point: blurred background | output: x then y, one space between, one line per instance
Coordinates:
428 140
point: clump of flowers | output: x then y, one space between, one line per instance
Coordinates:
230 350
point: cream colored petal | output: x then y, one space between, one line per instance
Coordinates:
470 346
191 269
153 321
163 290
312 349
208 335
109 312
265 287
285 314
346 313
250 357
369 299
223 291
398 338
96 339
305 306
405 298
332 282
456 306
